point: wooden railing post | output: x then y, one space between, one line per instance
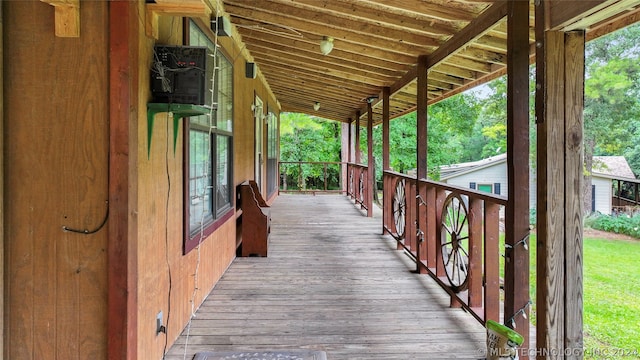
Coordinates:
371 163
475 253
441 195
430 231
421 246
491 262
410 235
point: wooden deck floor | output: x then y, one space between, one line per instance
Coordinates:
332 283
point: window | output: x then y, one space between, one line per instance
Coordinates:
272 152
208 150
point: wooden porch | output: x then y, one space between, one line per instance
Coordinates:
331 282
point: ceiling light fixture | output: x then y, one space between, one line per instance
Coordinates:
371 99
326 45
316 106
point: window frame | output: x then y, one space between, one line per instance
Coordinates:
272 151
219 214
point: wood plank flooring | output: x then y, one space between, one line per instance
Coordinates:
331 283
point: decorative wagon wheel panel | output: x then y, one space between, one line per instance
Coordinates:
454 242
399 207
361 187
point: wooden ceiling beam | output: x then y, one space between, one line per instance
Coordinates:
252 29
472 32
614 23
321 72
446 78
346 99
322 113
313 88
475 30
491 57
318 15
339 83
433 10
302 44
571 15
351 98
455 71
336 103
342 29
468 64
259 47
373 16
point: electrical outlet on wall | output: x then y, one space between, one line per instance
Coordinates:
160 328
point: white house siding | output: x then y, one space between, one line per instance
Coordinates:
603 194
490 175
497 173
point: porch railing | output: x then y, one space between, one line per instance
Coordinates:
453 234
626 195
357 187
311 177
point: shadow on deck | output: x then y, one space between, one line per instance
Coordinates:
331 282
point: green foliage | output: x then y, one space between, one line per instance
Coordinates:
303 138
619 224
612 90
450 124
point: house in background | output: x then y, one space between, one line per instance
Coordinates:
490 175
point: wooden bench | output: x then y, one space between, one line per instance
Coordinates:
256 220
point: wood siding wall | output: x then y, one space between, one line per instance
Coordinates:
56 153
160 223
57 146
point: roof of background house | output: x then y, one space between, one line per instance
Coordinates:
449 171
612 166
603 166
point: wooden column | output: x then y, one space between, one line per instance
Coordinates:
1 185
349 140
559 105
345 154
421 160
371 163
516 282
386 93
356 151
122 300
386 199
421 115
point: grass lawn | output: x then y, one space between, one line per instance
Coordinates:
611 290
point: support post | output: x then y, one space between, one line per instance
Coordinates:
516 282
386 93
349 140
559 105
2 285
345 154
386 199
122 301
421 159
357 142
371 163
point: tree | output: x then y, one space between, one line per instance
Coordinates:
304 138
612 109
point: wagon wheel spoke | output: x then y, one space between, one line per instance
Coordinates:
454 241
399 202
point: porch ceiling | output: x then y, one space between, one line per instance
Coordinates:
377 44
